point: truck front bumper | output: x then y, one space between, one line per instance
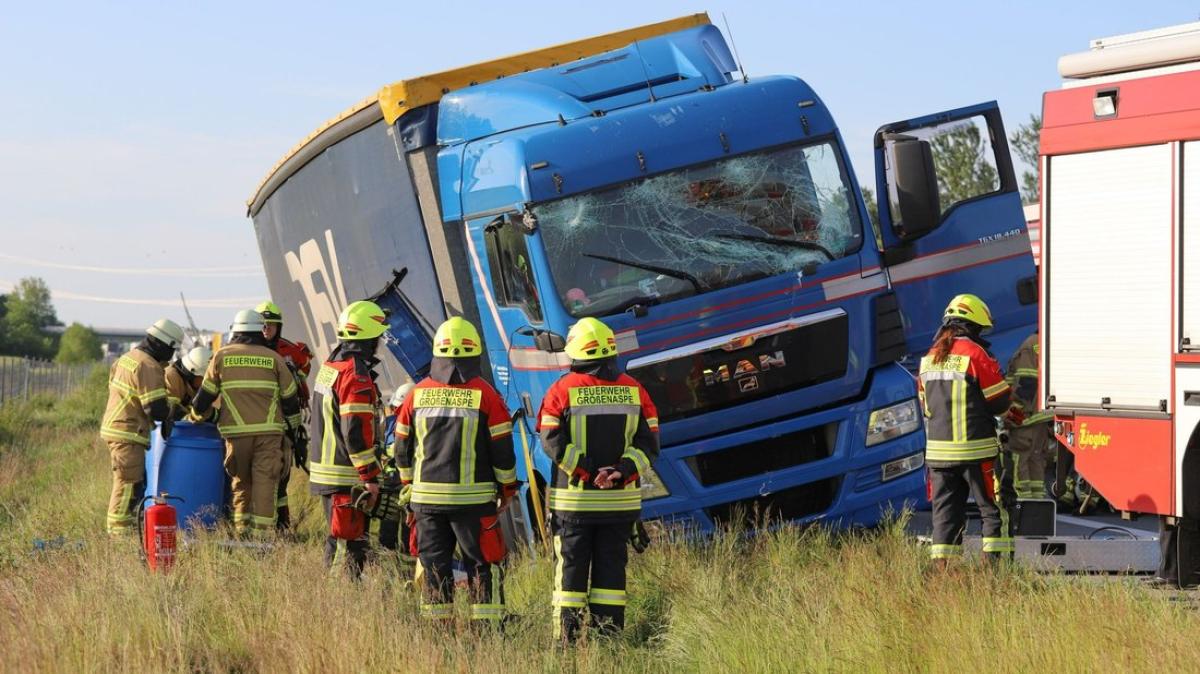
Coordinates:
810 467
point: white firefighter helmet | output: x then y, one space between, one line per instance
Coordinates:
166 331
196 360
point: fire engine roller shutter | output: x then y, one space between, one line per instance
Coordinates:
1190 298
1109 232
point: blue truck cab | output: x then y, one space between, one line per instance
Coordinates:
713 221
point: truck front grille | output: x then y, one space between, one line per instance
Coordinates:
788 504
746 366
764 456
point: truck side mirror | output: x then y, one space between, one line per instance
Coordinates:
544 340
551 342
916 205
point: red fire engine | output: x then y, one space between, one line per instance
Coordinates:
1120 287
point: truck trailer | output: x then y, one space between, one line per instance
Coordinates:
711 219
1120 316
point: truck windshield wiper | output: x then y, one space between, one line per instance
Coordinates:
778 241
665 271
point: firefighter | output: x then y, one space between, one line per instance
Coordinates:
600 428
183 379
454 445
1030 438
259 405
391 533
343 429
961 391
137 397
298 357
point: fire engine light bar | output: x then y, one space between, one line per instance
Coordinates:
904 466
893 421
1105 104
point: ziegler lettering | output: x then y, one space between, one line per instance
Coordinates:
1090 440
745 368
588 396
264 362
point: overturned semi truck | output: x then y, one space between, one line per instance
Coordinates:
713 220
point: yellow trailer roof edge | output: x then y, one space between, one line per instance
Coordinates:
394 100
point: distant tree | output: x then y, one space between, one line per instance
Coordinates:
28 311
1025 142
79 344
962 160
872 205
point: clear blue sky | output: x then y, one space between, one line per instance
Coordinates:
133 132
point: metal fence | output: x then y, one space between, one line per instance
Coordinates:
25 377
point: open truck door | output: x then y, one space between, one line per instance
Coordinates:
951 221
409 335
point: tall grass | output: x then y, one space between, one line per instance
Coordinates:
784 601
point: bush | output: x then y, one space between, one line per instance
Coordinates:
79 344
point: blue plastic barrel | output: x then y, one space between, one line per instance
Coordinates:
190 465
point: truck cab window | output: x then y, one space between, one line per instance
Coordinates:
963 158
512 275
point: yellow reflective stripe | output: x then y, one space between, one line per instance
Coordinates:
1004 544
363 458
607 597
328 470
487 611
455 488
595 500
119 435
470 430
209 386
942 551
985 443
1025 372
500 430
290 390
152 395
639 459
122 386
328 441
250 384
1037 418
942 450
173 401
402 430
356 408
568 599
424 498
293 419
549 421
996 389
652 422
570 458
248 429
406 473
437 611
505 476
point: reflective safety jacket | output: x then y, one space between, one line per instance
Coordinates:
1023 378
588 423
961 396
454 444
180 390
342 429
257 391
137 397
299 359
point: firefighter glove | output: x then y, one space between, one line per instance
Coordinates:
639 538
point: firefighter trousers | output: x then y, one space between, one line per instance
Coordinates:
283 514
253 463
589 573
437 535
1029 454
128 462
342 553
951 485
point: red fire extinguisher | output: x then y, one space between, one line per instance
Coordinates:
161 526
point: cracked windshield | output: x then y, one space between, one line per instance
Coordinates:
699 229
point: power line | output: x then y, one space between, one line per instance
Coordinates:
212 303
205 272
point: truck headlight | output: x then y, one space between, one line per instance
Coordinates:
651 485
903 466
892 422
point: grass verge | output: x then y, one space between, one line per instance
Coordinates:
790 600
